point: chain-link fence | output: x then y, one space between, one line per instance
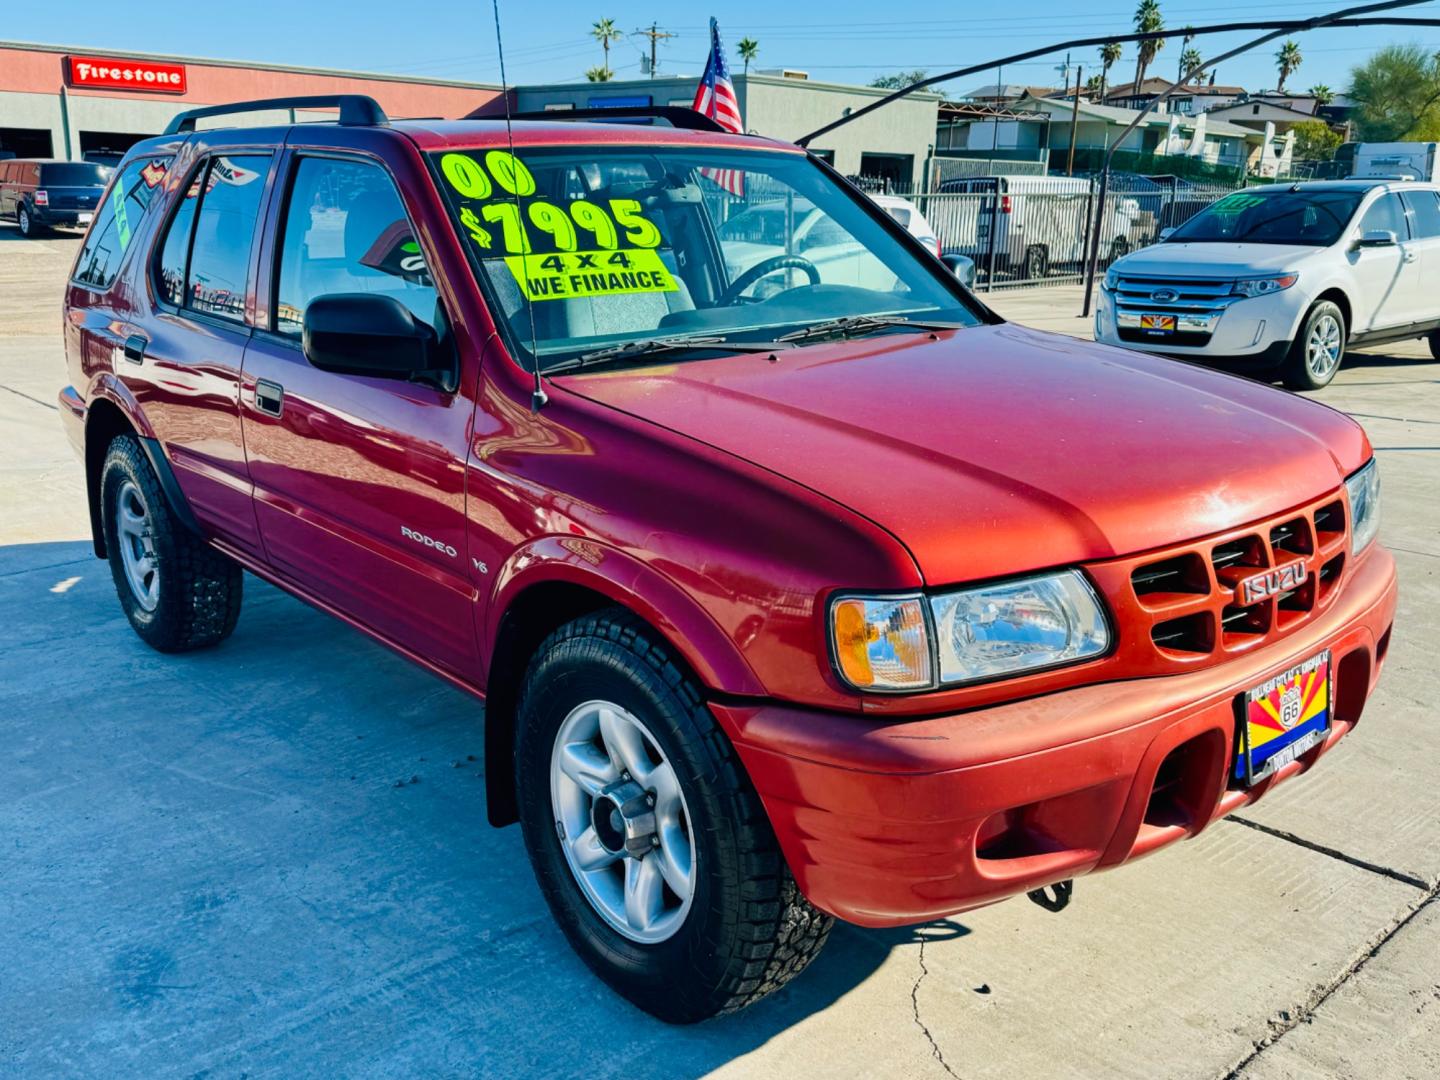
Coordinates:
1031 230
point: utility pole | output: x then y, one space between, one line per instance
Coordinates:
656 35
1074 120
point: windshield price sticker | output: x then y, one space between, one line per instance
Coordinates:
1234 204
555 251
577 274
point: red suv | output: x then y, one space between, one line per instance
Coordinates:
797 584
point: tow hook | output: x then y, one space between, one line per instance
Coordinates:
1060 901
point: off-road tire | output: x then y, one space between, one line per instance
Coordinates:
749 930
199 590
1295 371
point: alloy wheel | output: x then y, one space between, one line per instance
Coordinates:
1323 347
622 822
137 545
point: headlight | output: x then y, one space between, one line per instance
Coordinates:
1112 279
1364 490
1017 626
1008 628
1263 286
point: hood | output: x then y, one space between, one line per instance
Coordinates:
1214 260
998 449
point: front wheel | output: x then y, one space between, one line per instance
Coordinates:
1435 344
1317 352
647 839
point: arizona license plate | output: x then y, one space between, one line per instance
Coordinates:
1283 718
1160 323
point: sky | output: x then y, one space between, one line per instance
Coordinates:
839 41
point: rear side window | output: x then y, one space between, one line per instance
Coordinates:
205 260
346 231
1423 208
116 221
74 174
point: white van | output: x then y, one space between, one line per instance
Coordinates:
1039 222
1397 161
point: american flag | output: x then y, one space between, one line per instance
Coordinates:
715 98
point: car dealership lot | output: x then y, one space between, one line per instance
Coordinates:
272 858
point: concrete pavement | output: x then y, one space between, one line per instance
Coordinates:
271 858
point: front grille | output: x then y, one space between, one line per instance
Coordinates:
1188 598
1179 337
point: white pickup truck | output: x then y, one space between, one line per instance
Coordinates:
1282 280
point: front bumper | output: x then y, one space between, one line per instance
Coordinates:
1251 334
886 823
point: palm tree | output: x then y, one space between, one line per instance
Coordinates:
1288 59
605 32
747 48
1190 59
1185 46
1109 55
1323 95
1147 20
599 74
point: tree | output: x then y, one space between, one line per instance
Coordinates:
605 32
599 74
1188 51
747 48
1190 59
1315 140
899 79
1397 95
1109 57
1147 20
1322 94
1287 59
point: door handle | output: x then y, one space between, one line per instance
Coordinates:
269 397
135 348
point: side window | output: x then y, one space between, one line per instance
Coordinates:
205 268
117 219
1385 213
345 231
1423 209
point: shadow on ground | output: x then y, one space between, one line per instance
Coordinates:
273 857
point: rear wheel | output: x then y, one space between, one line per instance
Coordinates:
1317 352
28 228
1435 344
648 841
177 591
1037 263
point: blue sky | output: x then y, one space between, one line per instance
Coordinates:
849 42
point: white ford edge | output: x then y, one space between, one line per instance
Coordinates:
1280 281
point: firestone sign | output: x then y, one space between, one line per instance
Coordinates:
107 73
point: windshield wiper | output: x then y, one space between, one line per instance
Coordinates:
633 350
847 325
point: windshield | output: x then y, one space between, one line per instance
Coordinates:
1303 218
75 175
599 246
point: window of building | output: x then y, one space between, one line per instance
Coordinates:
346 231
116 221
205 261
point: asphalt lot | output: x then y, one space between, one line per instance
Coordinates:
271 858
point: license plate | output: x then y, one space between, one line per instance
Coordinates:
1282 718
1164 324
85 219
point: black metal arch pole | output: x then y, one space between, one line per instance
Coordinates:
1342 17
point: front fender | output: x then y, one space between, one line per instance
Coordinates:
629 582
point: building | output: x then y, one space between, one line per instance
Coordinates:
889 147
1258 112
71 103
1187 100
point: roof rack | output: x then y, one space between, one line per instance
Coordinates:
356 110
677 115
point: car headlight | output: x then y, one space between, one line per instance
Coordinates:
969 635
1263 286
1112 279
1363 488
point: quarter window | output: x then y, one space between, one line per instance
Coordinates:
116 221
1423 208
346 231
205 261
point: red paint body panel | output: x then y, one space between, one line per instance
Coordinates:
726 501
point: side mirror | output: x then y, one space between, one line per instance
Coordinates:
367 334
1166 233
962 267
1377 238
